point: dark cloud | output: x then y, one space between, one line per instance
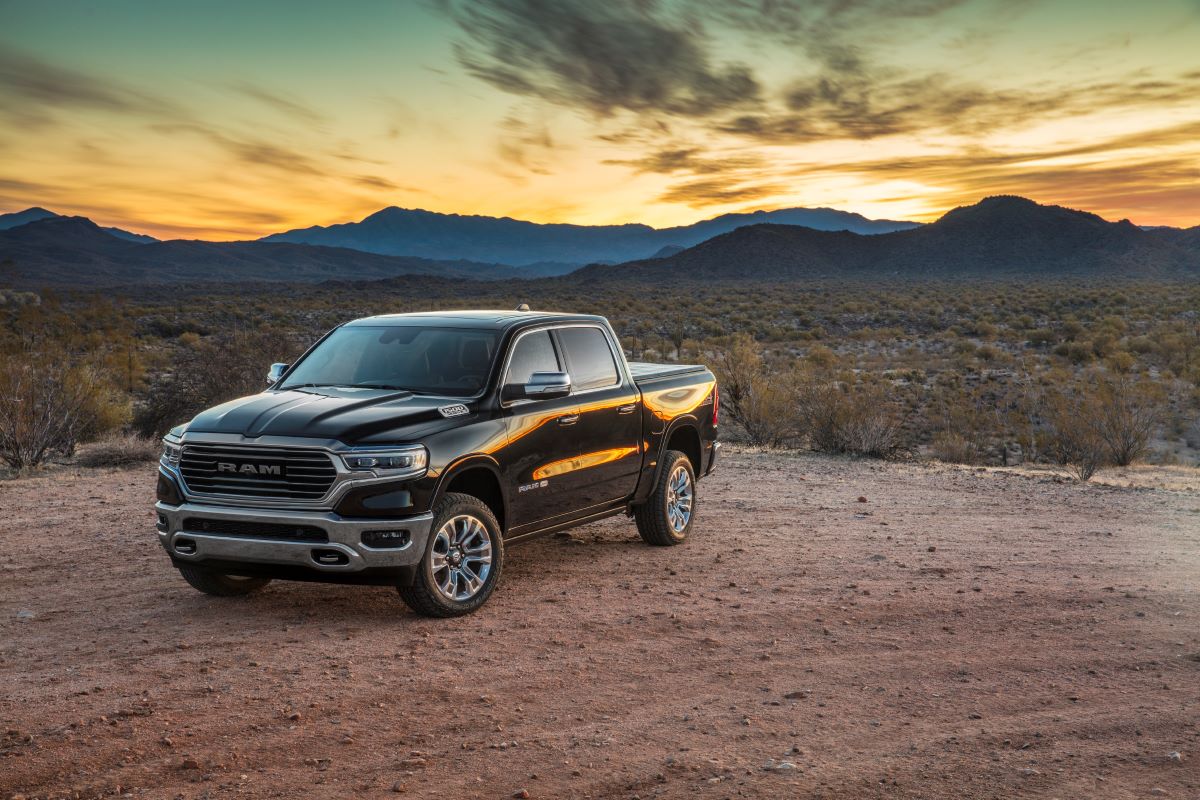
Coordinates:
691 160
30 88
376 182
620 55
256 152
698 194
284 105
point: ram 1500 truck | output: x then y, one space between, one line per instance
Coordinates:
411 449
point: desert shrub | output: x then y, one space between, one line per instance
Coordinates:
1074 442
1126 415
757 398
119 450
1104 420
211 371
854 420
48 406
954 448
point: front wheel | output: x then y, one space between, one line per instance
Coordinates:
666 516
462 560
218 584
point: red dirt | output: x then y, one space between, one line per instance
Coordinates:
959 635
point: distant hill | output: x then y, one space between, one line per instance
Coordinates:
21 217
553 248
74 251
999 237
35 214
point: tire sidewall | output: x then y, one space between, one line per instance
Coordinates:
664 489
453 507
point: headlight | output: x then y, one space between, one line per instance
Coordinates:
406 460
171 452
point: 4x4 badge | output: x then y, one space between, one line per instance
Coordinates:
456 410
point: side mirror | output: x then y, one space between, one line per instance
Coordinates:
540 386
275 373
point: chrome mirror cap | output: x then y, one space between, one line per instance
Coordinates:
275 373
547 385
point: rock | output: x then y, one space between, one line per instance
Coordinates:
931 549
399 788
1175 755
771 765
25 615
295 716
190 763
862 499
523 793
799 694
1157 792
1029 772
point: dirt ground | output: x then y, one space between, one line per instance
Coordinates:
961 634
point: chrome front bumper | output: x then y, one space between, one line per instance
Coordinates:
344 552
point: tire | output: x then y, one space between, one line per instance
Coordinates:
218 584
462 562
667 515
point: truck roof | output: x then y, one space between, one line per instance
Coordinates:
474 319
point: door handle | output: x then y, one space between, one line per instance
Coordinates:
629 409
569 419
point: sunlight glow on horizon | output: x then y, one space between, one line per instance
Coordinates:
227 122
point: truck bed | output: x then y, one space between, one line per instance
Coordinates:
644 371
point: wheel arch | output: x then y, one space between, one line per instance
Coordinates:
684 435
478 476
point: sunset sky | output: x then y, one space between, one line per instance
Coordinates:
229 120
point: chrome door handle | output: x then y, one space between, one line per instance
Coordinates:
569 419
629 409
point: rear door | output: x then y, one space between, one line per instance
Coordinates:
540 436
609 428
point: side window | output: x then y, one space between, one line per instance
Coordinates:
534 353
589 358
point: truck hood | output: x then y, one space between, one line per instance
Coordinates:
351 416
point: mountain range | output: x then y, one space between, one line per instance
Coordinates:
999 237
1003 236
552 248
74 251
37 213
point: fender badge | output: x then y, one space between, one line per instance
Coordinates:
456 410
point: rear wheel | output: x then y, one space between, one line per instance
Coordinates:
666 516
218 584
462 560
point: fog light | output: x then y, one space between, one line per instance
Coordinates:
385 539
162 523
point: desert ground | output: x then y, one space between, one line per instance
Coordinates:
832 628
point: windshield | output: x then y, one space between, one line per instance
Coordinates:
448 361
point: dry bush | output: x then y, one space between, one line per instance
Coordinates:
119 451
48 407
851 419
1127 413
954 448
1074 442
758 399
207 372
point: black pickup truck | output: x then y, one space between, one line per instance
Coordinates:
411 449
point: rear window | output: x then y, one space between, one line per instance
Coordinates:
589 358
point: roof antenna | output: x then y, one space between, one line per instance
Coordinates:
523 307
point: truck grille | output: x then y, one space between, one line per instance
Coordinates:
285 473
257 530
